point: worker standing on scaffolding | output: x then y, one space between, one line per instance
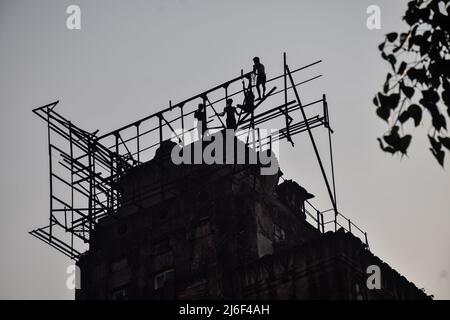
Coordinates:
230 111
200 115
260 73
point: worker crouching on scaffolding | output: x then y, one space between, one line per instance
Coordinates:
248 106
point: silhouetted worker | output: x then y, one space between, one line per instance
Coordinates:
230 111
248 106
200 115
249 100
259 71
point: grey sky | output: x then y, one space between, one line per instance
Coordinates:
131 57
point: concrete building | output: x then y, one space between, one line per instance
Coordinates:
224 232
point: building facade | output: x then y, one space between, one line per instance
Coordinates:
224 232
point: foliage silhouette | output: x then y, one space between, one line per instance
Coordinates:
417 88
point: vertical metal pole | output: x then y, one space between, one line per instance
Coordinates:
313 142
117 155
111 191
160 130
137 142
259 139
349 226
71 183
318 219
243 89
326 115
270 144
91 197
117 173
285 84
50 173
94 186
323 223
182 120
286 110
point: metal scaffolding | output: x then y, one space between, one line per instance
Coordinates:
85 167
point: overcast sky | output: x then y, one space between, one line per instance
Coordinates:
131 57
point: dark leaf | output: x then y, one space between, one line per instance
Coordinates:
431 107
404 143
446 97
437 37
375 101
384 113
430 96
418 74
435 80
439 122
404 116
425 47
414 30
393 139
424 14
386 83
402 68
446 68
392 60
446 84
436 68
391 37
385 148
415 112
445 141
411 16
396 142
381 46
390 101
439 155
417 40
408 91
437 146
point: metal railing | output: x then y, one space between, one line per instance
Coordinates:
328 220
